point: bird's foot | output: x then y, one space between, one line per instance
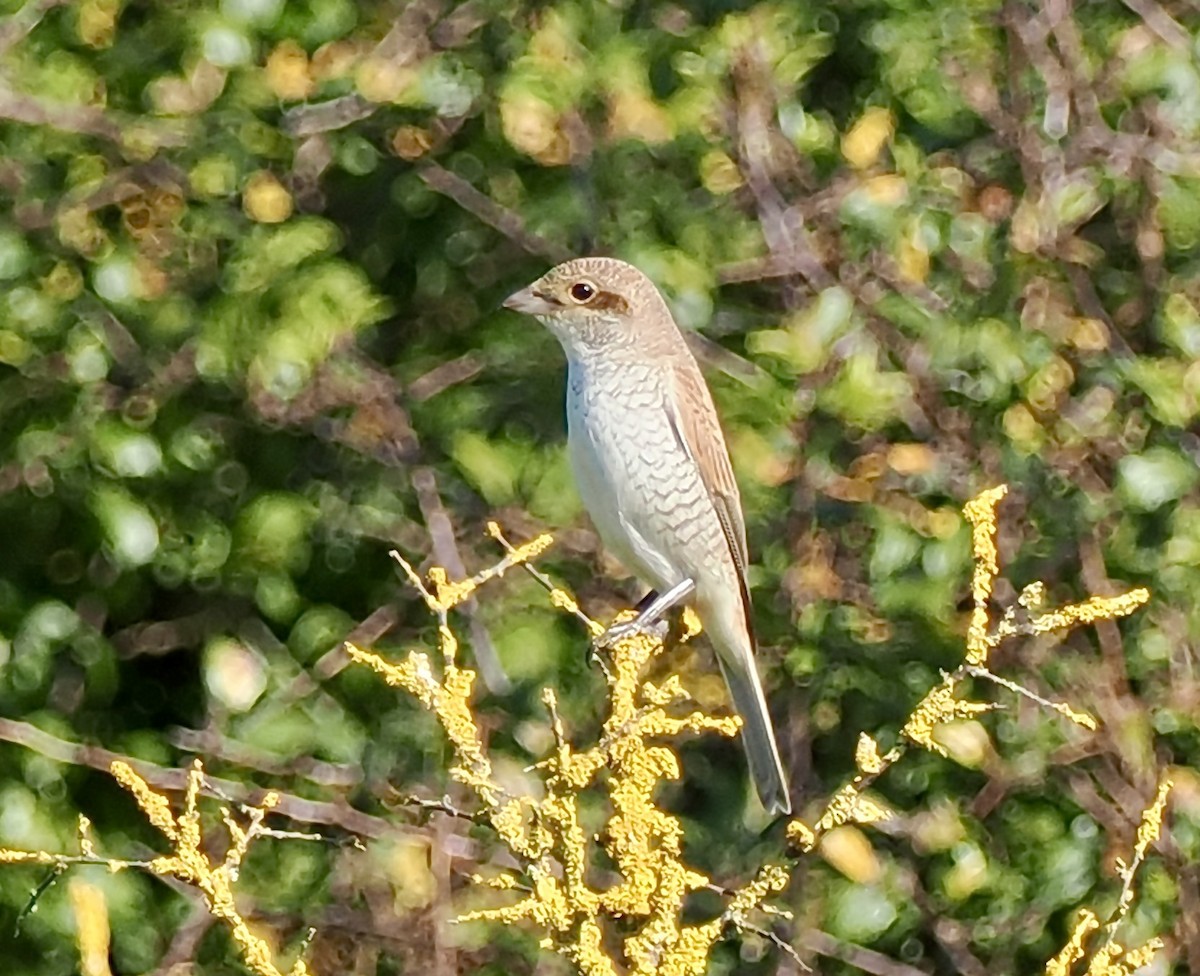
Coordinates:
600 653
599 657
648 620
631 628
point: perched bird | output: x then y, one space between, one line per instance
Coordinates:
652 467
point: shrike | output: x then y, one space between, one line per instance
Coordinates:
653 470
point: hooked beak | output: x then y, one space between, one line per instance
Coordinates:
529 302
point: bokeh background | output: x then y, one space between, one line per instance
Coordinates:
252 256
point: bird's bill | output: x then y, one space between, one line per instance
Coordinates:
529 302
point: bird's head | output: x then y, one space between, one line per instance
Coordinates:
600 305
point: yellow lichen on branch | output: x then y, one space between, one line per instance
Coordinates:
981 513
642 910
867 757
1112 958
1073 951
939 706
644 906
630 919
188 861
944 702
155 806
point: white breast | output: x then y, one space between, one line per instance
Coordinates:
638 484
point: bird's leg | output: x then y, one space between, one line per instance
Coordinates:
649 598
661 603
652 607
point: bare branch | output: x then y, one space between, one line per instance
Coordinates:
334 814
491 213
18 26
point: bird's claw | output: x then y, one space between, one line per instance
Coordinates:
650 613
631 628
649 621
600 659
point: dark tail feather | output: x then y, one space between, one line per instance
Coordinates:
758 737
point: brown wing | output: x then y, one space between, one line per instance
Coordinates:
695 422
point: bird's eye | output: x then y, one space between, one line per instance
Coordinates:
583 292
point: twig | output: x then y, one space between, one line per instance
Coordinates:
1161 22
491 213
188 936
1070 45
337 113
876 963
984 673
18 26
119 186
43 886
777 941
445 551
547 583
406 42
445 375
209 742
1089 301
163 778
444 805
782 227
88 120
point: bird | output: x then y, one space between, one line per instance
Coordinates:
652 468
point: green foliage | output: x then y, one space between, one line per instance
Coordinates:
252 255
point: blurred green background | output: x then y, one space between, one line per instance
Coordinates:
252 254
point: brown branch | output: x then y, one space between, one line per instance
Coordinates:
408 38
783 230
16 27
1089 301
460 370
88 120
337 113
1061 20
333 814
163 636
869 961
456 28
407 42
121 185
181 951
447 555
491 213
119 340
712 354
441 866
952 935
1187 923
761 269
1095 578
1161 23
211 743
332 662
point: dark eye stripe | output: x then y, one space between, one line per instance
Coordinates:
609 302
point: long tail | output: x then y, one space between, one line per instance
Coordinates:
758 737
